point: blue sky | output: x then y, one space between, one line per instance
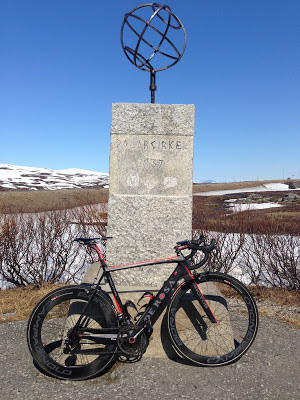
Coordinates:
62 66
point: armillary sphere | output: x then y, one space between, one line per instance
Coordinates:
148 34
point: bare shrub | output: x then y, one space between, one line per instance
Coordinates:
15 248
38 248
273 260
253 246
90 221
229 250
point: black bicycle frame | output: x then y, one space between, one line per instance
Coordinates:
159 302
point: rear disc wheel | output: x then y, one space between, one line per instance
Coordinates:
50 340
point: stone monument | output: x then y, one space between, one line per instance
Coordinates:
151 155
151 174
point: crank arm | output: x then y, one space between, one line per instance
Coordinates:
138 333
99 337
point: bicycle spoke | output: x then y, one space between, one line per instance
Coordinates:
196 337
61 347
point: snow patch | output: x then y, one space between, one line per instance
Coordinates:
253 206
18 177
268 187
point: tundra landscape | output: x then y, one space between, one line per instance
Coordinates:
256 224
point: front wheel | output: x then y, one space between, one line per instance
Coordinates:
207 343
66 353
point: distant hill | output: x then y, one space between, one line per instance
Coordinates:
13 177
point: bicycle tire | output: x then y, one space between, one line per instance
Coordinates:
203 342
47 330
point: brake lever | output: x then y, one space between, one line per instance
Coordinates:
201 240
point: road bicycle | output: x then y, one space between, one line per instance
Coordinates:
78 332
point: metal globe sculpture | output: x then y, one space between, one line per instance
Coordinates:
148 36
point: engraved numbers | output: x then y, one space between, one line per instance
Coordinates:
151 162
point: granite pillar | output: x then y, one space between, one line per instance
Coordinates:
150 193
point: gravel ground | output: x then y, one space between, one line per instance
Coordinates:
270 370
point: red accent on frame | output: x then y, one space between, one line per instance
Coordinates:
119 309
143 262
181 247
100 254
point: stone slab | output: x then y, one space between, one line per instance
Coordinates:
158 119
143 229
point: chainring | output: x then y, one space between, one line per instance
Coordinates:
131 341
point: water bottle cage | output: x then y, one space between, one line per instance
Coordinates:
144 306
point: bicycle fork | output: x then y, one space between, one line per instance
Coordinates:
190 279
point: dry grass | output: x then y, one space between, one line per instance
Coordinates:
280 296
207 187
46 200
278 303
208 212
17 303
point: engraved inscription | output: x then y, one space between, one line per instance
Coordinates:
166 145
151 162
